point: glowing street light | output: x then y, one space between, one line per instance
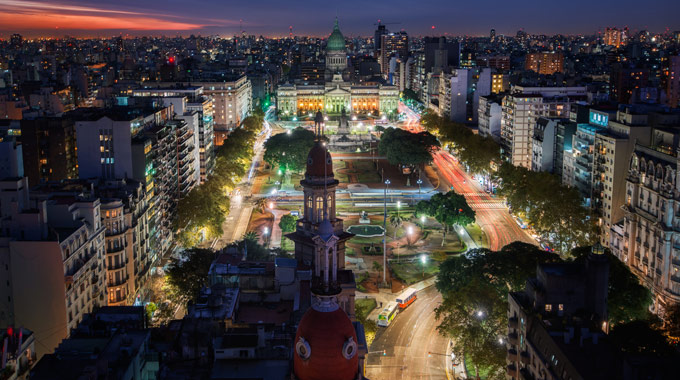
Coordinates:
266 230
387 183
288 132
480 313
419 182
271 205
423 260
422 219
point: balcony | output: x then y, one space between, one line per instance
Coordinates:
512 355
512 370
524 358
512 323
512 338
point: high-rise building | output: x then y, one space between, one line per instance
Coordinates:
49 149
492 35
232 100
489 115
499 83
124 214
543 144
647 239
53 252
196 102
625 80
522 107
459 93
615 37
545 63
628 126
498 62
392 44
377 39
440 53
673 82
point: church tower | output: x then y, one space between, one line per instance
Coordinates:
311 237
327 343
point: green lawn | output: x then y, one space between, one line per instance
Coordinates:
477 234
470 369
363 307
412 271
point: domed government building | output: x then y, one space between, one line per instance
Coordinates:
337 93
329 343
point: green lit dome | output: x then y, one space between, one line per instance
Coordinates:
336 41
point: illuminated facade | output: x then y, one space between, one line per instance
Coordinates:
336 94
545 63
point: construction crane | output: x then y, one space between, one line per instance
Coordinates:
386 23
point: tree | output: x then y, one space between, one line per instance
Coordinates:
189 273
287 224
203 210
450 209
402 147
396 221
289 151
475 287
261 204
671 322
628 300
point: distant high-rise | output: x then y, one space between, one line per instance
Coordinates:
545 62
492 34
377 42
615 37
673 82
49 149
441 53
392 44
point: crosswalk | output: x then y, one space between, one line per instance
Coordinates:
478 200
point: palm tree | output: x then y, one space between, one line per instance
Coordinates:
396 221
251 236
261 204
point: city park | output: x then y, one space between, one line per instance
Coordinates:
410 222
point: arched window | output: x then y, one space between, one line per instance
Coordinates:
310 205
330 205
319 209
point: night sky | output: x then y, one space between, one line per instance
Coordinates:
273 17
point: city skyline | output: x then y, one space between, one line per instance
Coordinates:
106 18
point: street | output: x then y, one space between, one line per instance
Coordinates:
414 349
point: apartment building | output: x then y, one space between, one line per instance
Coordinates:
65 236
489 115
648 237
232 101
557 325
520 110
196 102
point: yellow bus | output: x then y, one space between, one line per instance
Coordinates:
387 315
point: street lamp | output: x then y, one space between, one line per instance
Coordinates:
387 183
398 207
423 260
419 182
422 220
288 132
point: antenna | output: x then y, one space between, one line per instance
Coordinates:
290 32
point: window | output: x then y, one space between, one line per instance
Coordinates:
560 307
548 307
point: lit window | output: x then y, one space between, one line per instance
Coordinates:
548 307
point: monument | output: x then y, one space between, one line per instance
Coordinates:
344 141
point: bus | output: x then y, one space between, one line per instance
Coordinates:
387 315
406 298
